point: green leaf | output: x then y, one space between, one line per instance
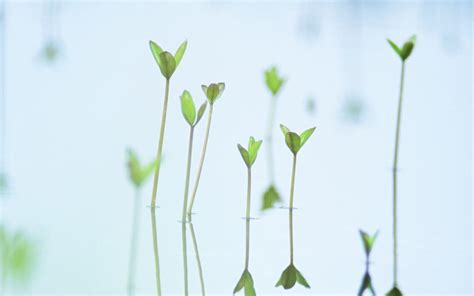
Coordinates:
301 280
212 92
167 64
156 51
305 135
138 173
221 87
273 80
240 283
204 89
245 282
288 278
368 241
187 108
201 111
270 198
394 292
406 49
17 256
253 148
366 284
180 52
284 129
245 155
395 47
293 141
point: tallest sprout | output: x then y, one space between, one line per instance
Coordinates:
167 63
404 53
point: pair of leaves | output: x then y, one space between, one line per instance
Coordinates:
273 80
189 109
366 284
139 173
405 51
368 241
167 61
295 141
290 276
394 292
213 91
246 283
270 198
17 254
249 155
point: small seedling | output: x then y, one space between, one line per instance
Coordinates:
213 91
291 275
368 242
249 156
274 83
404 53
167 63
138 174
192 118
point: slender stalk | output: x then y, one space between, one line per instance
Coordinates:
198 260
269 138
188 172
185 258
155 252
160 144
247 219
201 162
133 244
395 169
291 206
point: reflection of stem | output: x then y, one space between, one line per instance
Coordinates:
291 206
133 244
188 172
185 258
198 260
395 168
155 252
247 216
201 163
271 121
160 144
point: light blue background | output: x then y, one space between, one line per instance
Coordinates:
69 124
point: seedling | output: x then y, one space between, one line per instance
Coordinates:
212 92
368 242
291 275
274 83
404 53
249 156
189 112
198 259
167 64
138 174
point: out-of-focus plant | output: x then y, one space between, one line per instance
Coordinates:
274 82
404 53
192 118
291 275
17 257
249 156
138 174
368 242
51 48
212 91
167 63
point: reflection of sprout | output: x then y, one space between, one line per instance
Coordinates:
368 242
17 257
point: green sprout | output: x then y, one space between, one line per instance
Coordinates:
167 64
368 242
274 82
213 91
291 275
249 156
192 118
404 52
138 174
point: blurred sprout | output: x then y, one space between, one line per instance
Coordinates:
405 51
311 105
50 52
139 173
353 109
273 80
368 241
270 198
366 284
167 61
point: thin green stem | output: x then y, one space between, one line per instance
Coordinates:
292 190
155 252
201 162
188 173
247 219
198 260
395 169
133 244
160 144
185 258
269 139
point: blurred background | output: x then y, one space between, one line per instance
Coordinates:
79 86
